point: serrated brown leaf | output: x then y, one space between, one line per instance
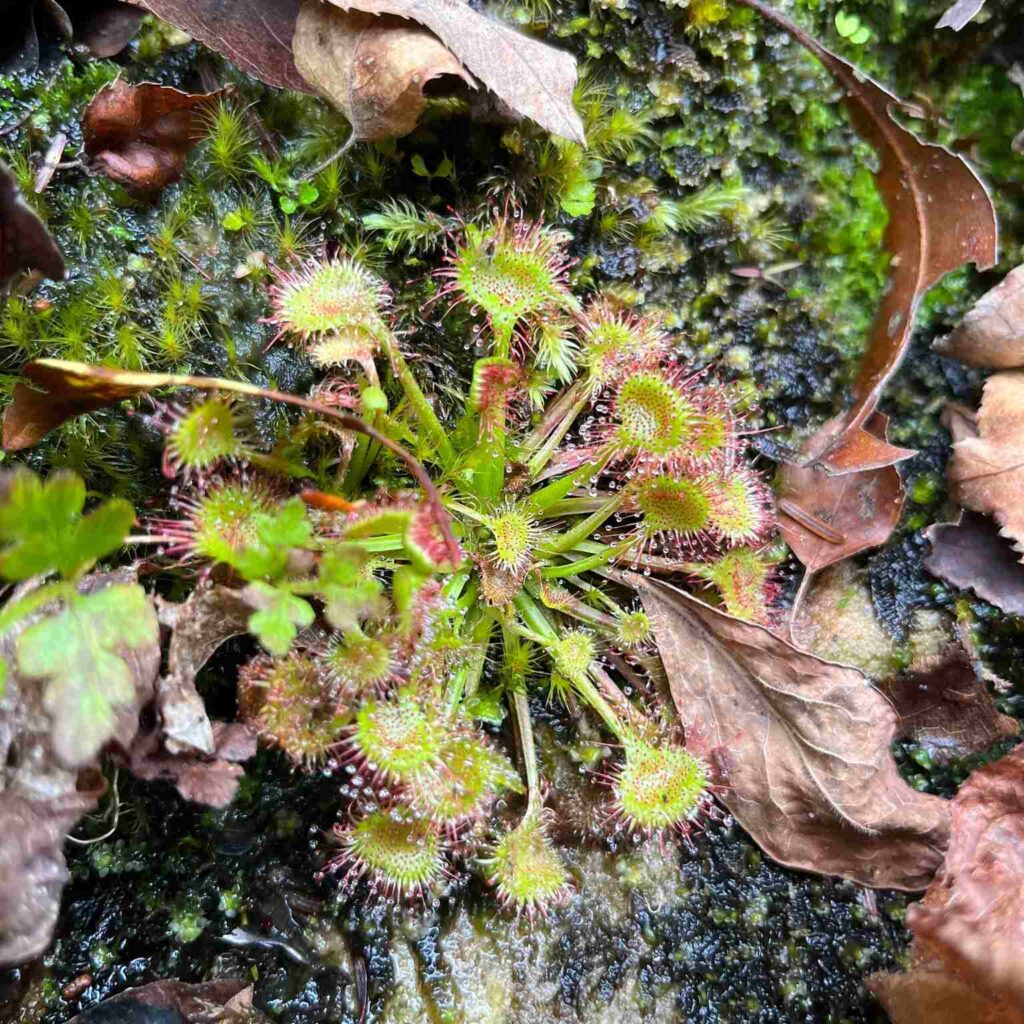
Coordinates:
813 780
824 517
212 781
943 704
986 472
141 135
991 334
255 35
971 554
968 947
25 242
373 69
534 79
940 217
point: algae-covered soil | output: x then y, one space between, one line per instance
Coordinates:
686 99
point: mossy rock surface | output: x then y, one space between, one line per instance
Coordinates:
705 930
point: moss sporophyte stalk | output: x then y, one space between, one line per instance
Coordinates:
579 445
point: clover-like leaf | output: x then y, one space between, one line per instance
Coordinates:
45 531
277 533
279 616
80 652
349 591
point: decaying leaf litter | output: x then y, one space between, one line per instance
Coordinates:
869 827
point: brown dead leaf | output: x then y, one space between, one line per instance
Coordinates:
255 35
105 28
812 781
969 928
940 217
209 617
212 781
141 135
986 473
825 518
992 332
373 69
25 242
958 16
32 867
534 79
205 1002
943 704
972 555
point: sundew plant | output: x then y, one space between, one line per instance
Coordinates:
581 447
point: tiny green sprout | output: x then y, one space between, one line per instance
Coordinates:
203 436
658 786
400 853
285 701
669 504
850 27
633 630
526 871
399 738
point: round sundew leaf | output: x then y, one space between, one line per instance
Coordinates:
397 849
659 787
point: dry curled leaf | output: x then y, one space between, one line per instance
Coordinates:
943 704
812 778
32 867
255 35
25 242
957 16
213 780
992 332
209 617
205 1002
535 80
986 472
969 928
940 217
971 554
826 518
373 69
140 135
96 28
